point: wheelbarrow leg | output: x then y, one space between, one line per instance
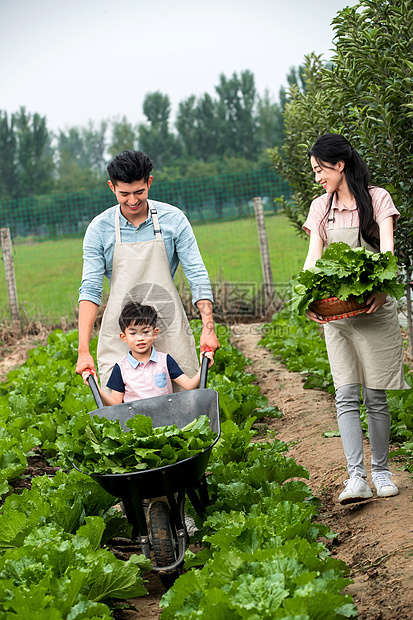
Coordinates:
203 492
202 501
139 517
175 506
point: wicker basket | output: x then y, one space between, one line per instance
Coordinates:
333 309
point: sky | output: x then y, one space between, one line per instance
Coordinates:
83 60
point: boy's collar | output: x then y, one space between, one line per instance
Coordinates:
135 363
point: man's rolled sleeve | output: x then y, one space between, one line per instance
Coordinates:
93 268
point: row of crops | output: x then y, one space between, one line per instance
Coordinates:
261 554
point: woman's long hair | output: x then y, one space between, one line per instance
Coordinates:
331 148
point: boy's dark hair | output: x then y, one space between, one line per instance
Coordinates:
134 313
130 166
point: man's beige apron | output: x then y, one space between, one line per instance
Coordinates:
141 273
365 349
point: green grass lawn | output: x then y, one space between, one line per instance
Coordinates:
48 274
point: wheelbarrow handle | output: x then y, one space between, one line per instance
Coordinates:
204 370
95 391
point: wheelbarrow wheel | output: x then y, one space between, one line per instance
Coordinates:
163 539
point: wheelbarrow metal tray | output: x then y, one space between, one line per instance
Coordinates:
180 409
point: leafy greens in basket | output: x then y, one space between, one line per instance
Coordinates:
342 272
101 446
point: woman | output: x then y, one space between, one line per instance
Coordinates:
366 349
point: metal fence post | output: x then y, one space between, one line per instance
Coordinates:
5 241
265 255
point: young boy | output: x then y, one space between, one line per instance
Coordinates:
144 372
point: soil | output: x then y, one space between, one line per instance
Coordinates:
373 537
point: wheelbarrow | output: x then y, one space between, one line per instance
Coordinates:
154 499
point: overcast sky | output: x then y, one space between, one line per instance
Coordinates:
94 59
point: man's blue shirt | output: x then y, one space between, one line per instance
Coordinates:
180 244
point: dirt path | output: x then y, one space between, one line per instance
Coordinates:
374 537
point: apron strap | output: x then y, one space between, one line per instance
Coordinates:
154 215
156 227
117 225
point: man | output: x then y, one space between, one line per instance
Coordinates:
138 245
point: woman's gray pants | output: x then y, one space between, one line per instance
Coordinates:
348 417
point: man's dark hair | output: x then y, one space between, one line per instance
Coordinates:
130 166
134 313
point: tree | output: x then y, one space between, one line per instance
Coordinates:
196 124
270 124
71 149
85 146
76 178
35 165
8 158
236 115
155 138
124 137
366 94
81 157
94 145
305 119
188 127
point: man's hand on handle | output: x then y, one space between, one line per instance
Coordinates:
208 336
208 339
85 360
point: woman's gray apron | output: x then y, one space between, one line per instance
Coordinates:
365 349
141 273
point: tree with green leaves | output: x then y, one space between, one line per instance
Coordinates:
81 157
8 158
124 137
34 154
270 123
155 137
95 144
236 121
305 119
367 95
196 124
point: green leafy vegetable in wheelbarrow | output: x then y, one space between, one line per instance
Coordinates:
342 272
101 446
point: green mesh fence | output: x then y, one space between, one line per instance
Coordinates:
203 199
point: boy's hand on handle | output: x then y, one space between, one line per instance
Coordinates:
209 354
86 374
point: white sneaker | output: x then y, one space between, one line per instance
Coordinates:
356 490
384 485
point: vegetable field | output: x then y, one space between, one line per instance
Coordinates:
261 554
